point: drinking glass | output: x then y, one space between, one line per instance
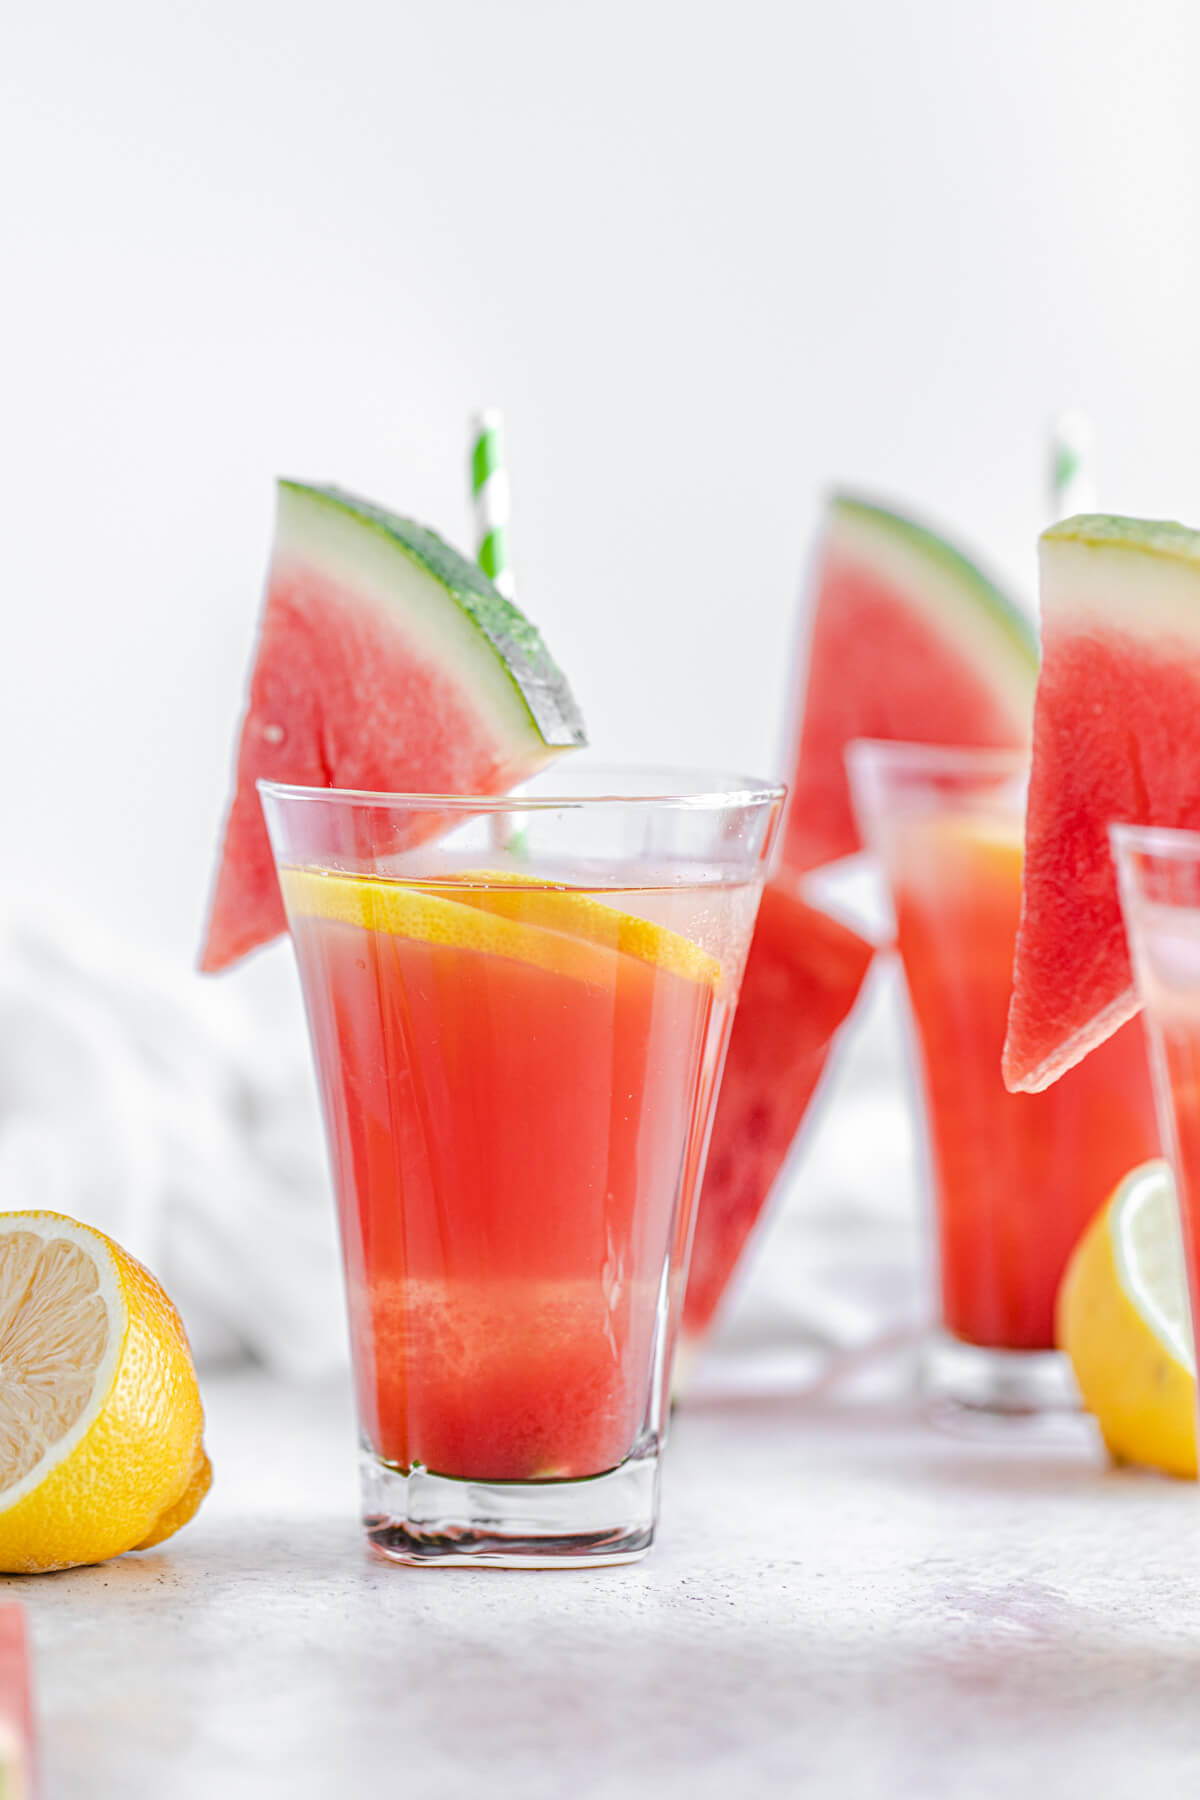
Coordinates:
518 1008
1158 874
1014 1178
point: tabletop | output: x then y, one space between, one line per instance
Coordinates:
842 1601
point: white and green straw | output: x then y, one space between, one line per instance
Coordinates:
490 490
1072 482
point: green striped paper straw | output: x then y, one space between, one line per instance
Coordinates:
1072 482
490 491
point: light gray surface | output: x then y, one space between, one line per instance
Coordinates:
841 1603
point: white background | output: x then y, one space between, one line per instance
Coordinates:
706 258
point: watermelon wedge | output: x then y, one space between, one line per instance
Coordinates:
387 662
1116 740
802 978
18 1774
908 640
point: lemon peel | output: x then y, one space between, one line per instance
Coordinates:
100 1416
1123 1320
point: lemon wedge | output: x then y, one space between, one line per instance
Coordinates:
561 929
1123 1320
100 1416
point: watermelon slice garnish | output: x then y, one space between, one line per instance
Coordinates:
908 640
802 977
1116 740
385 662
17 1744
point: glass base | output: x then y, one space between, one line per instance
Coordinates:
423 1519
964 1384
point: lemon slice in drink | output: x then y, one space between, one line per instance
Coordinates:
100 1416
1123 1321
539 902
561 929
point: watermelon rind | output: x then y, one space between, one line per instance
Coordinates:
1133 585
1134 575
442 597
965 607
1148 537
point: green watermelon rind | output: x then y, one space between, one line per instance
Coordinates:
1145 537
1101 572
522 662
1001 619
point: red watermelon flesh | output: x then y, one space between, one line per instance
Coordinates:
1116 740
802 977
385 662
908 640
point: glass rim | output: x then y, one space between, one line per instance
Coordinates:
708 791
980 760
1168 843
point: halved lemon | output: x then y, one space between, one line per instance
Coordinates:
100 1418
560 929
1123 1320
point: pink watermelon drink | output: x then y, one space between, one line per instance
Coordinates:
509 1251
518 1050
1015 1178
1159 876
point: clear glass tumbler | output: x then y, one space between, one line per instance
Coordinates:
1014 1178
1158 872
519 1009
